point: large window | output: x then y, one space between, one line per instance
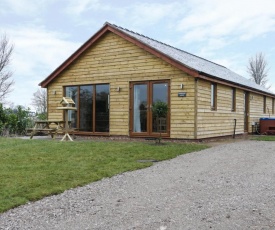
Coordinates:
213 96
92 103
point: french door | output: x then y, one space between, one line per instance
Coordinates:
147 97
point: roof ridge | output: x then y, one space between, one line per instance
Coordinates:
119 27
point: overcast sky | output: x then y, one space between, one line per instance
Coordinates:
46 32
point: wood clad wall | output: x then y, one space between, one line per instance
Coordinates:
182 108
257 108
116 61
219 122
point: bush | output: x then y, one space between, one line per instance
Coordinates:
160 109
14 121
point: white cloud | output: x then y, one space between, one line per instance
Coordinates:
23 7
134 15
37 53
38 47
214 18
148 14
77 7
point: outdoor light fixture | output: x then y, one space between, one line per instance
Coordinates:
181 86
118 89
54 92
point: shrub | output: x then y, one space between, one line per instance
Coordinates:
14 121
160 109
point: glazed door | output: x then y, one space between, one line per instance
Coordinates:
147 98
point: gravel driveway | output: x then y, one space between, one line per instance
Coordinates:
230 186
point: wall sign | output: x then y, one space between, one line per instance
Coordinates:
182 94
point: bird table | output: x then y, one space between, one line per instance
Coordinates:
66 127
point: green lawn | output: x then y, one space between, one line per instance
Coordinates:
32 169
264 138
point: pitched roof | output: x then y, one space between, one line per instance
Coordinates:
193 64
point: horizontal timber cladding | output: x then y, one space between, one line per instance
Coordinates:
221 121
117 62
257 108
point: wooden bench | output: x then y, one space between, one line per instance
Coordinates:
46 126
34 131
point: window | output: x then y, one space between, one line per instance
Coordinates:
272 105
92 102
233 99
72 92
264 108
213 96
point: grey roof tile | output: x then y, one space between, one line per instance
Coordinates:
195 62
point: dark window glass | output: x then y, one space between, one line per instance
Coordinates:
264 108
160 98
233 108
102 108
273 105
213 96
86 108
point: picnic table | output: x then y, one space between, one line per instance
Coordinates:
53 127
47 126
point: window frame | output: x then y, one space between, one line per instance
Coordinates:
273 105
233 99
94 95
213 96
264 102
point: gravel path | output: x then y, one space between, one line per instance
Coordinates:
229 186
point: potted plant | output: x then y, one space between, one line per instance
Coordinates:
160 110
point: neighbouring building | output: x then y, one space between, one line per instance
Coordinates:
118 78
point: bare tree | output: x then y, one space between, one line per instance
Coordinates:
5 75
39 101
257 68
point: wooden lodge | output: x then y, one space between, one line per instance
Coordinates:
118 78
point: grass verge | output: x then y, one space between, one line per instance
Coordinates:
33 169
264 138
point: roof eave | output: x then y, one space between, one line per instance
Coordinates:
75 55
215 79
97 35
